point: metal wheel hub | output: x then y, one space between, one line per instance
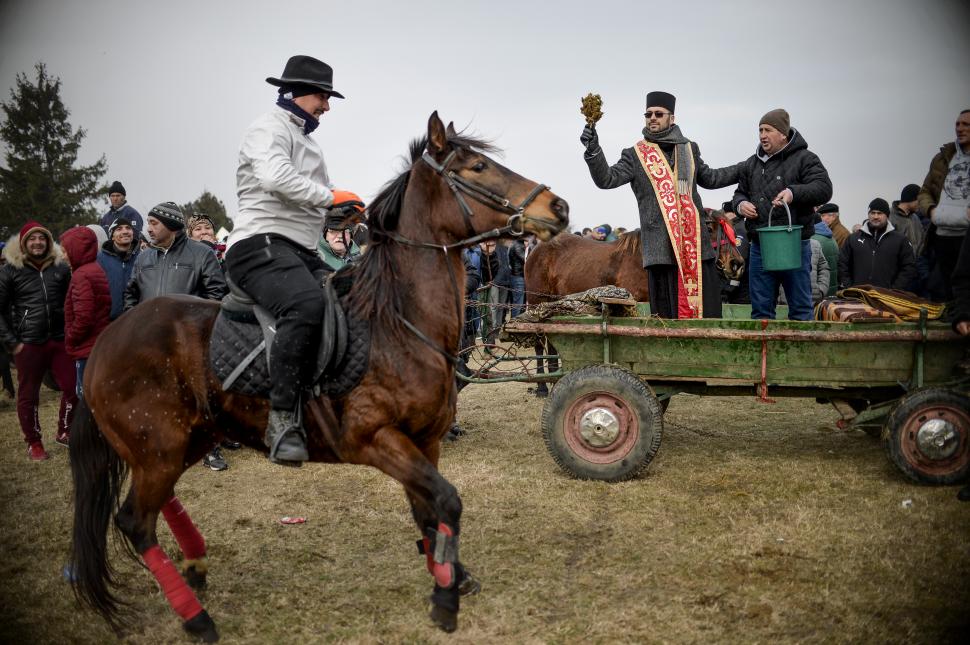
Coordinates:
937 439
599 427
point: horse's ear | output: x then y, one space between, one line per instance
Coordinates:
450 130
437 137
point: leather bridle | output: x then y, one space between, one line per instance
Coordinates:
459 187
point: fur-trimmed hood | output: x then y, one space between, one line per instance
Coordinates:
14 254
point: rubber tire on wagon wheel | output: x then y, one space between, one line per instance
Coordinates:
602 422
929 436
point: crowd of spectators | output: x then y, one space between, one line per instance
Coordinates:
910 244
56 299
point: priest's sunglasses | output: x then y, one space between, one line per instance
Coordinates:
659 114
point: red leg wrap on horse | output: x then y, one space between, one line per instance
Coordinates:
186 534
444 572
179 595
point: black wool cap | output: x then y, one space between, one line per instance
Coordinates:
116 187
121 221
879 204
661 99
909 193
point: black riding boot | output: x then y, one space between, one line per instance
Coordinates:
286 438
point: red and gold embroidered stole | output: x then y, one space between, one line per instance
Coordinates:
683 226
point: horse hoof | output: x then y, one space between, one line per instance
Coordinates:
469 586
202 627
542 394
445 619
194 578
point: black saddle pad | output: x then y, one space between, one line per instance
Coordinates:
234 337
230 343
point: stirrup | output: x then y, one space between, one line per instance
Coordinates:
291 442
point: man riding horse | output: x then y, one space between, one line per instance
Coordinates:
284 192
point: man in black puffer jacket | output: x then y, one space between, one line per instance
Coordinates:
518 252
782 171
33 285
877 254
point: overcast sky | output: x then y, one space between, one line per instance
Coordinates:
165 90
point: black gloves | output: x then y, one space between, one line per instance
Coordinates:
590 139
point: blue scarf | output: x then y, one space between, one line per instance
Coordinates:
309 123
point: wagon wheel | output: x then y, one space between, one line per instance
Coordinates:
929 436
602 422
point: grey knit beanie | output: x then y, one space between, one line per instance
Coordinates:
169 214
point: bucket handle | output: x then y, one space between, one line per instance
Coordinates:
787 210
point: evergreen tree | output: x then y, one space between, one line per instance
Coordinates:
41 179
209 204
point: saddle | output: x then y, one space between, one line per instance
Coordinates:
242 340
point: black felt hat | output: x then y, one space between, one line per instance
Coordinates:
828 208
661 99
306 70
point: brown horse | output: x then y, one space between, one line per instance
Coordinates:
154 406
572 264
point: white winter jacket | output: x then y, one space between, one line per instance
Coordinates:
282 182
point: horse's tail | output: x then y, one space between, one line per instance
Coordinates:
98 474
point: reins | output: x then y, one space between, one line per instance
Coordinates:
459 186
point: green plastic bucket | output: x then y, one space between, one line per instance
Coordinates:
781 246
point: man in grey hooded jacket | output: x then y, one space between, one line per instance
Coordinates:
944 198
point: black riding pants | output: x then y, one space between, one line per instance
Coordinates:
285 278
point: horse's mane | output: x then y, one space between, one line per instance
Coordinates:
629 242
376 292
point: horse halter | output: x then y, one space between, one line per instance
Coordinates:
459 185
735 265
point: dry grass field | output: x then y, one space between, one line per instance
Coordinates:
755 524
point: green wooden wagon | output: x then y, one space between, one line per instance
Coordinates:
907 383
